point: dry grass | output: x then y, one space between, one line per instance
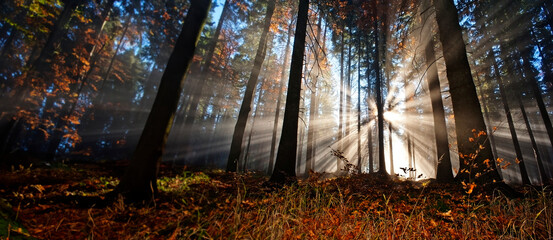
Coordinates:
217 205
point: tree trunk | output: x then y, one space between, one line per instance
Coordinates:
237 137
380 109
468 116
279 99
313 106
536 91
285 165
443 172
255 115
491 134
514 137
139 180
359 104
369 127
196 94
341 107
527 70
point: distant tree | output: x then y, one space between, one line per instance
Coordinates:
313 106
503 94
205 70
139 180
285 166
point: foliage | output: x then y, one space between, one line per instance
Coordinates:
216 205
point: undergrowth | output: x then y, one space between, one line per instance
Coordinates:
218 205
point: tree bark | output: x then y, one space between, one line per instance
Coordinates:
237 137
139 180
469 122
285 161
380 109
279 99
443 172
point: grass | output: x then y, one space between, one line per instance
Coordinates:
218 205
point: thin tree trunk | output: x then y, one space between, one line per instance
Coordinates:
541 168
545 61
237 137
196 94
285 165
514 137
255 115
369 127
139 180
536 91
348 94
527 70
341 107
359 104
313 107
380 109
390 139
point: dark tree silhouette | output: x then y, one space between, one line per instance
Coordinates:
379 104
139 180
468 116
443 173
285 166
240 127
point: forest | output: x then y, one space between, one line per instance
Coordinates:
284 119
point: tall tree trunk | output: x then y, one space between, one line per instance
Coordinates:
359 53
139 180
514 137
528 70
285 165
313 106
536 92
443 172
255 115
237 137
341 107
347 121
380 109
196 94
390 144
300 147
369 127
491 134
279 99
541 168
468 116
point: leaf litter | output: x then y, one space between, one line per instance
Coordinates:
66 203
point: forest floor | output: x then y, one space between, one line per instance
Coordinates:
66 203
